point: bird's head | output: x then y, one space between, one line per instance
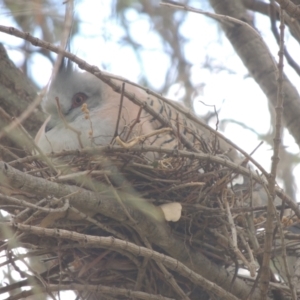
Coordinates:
68 91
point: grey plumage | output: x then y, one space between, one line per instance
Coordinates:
103 105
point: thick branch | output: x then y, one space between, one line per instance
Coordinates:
257 59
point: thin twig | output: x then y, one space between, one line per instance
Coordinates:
120 111
269 227
109 242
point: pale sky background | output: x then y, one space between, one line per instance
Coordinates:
238 96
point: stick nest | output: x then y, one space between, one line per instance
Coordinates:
220 220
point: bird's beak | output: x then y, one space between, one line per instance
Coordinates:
42 130
51 122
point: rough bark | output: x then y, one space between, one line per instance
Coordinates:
257 59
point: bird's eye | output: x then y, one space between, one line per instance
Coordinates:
78 99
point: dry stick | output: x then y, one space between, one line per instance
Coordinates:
217 123
25 114
28 139
59 213
51 217
182 153
234 241
100 289
119 113
289 58
274 8
102 205
251 232
225 181
39 278
120 201
137 120
151 178
26 210
292 9
8 152
40 209
169 277
179 145
132 97
92 263
274 285
269 227
251 198
283 248
249 250
113 243
141 149
228 178
98 224
141 274
141 138
37 148
185 185
78 175
27 204
66 32
296 276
